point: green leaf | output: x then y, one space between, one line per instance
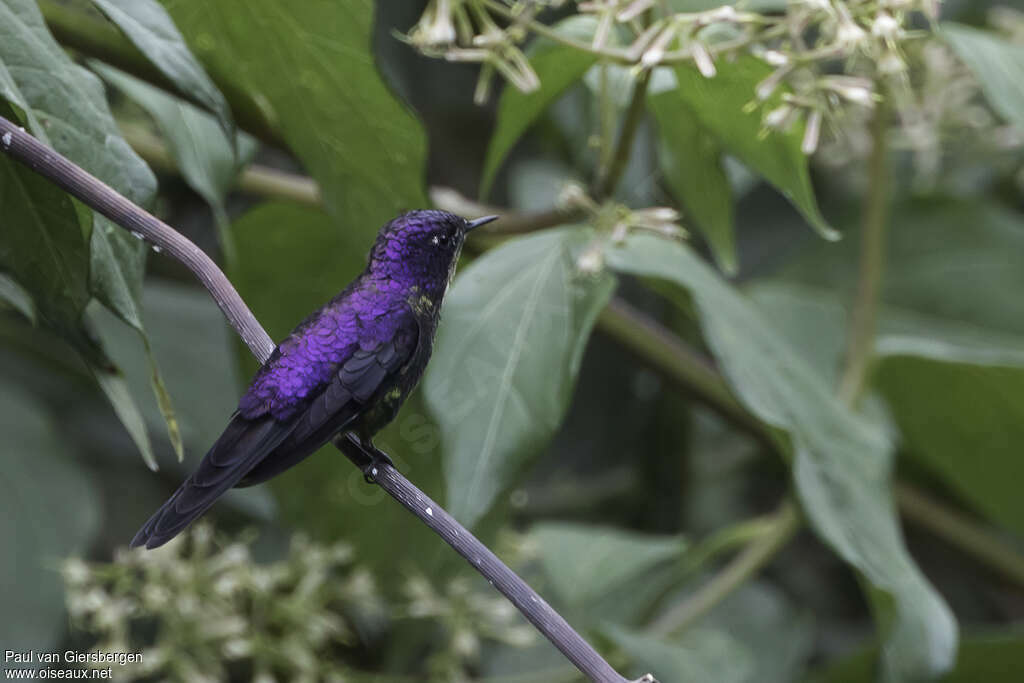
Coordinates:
954 391
505 362
192 342
586 563
691 160
69 102
841 462
993 658
311 68
997 63
49 509
71 111
16 297
698 656
558 67
720 102
42 245
205 156
151 29
114 386
292 260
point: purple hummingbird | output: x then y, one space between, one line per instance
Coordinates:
348 367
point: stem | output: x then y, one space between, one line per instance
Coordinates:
545 31
94 193
736 573
864 317
511 223
672 358
256 179
606 111
961 532
609 176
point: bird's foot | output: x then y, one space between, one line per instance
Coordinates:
378 458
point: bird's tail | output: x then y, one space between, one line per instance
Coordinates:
240 448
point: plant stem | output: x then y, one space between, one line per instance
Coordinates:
609 176
672 358
256 179
959 531
864 316
511 223
786 522
94 193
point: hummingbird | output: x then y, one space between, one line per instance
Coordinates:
348 367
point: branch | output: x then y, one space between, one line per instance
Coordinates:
961 532
254 178
609 176
96 194
511 223
745 565
863 320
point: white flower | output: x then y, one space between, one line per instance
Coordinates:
885 26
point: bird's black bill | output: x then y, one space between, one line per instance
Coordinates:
470 225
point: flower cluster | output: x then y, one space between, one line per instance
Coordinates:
804 44
466 615
202 611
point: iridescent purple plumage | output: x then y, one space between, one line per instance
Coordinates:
348 367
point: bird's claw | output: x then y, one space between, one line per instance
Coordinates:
378 459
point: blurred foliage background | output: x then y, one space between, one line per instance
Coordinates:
745 405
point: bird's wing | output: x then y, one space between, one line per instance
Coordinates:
242 446
255 448
362 379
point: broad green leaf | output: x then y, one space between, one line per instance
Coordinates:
512 334
49 509
952 311
114 386
953 390
311 68
963 418
691 160
779 635
698 656
16 297
42 245
558 67
991 658
69 105
998 65
956 260
720 102
69 102
205 156
841 462
588 563
291 261
148 26
192 342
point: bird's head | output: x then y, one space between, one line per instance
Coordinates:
421 248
